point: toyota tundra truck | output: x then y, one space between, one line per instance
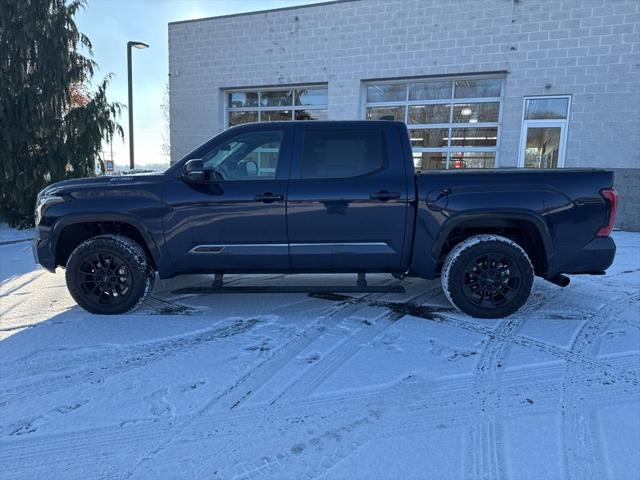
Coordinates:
326 197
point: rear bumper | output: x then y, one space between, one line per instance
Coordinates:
42 254
594 258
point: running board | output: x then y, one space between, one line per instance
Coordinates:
294 289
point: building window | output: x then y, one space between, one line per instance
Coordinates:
453 123
275 104
543 139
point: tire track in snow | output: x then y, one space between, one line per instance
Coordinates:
118 360
442 403
313 377
580 457
242 389
485 455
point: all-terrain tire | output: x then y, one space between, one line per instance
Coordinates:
109 275
487 276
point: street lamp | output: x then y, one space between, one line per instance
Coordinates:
138 45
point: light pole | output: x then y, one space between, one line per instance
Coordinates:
130 108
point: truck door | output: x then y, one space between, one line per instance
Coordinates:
236 219
347 198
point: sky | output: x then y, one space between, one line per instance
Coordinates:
110 24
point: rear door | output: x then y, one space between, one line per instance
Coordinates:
347 198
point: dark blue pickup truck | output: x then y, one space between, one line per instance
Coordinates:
326 197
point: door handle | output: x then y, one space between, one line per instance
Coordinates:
384 195
269 197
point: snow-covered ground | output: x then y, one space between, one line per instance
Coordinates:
299 386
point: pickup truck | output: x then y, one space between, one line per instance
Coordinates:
326 197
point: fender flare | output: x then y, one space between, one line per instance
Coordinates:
79 218
495 218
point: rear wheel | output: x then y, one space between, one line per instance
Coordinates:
487 276
109 274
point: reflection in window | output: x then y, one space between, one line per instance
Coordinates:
429 161
276 104
386 113
542 148
238 118
276 115
432 90
429 137
446 116
389 92
340 153
437 113
476 112
246 156
472 160
311 114
546 108
474 137
477 88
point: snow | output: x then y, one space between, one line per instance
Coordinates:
302 386
8 234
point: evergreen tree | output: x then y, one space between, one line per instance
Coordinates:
51 129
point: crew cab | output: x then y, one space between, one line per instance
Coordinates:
304 197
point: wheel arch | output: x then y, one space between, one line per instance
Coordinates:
70 231
528 230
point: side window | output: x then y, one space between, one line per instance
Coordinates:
341 153
247 156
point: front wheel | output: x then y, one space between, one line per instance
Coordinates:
109 274
487 276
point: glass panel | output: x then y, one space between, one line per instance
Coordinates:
488 87
429 137
390 92
546 108
386 113
311 114
429 113
476 112
474 137
243 99
430 90
238 118
429 160
280 98
472 160
275 115
340 153
246 156
543 147
312 96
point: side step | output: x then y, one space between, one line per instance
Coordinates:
360 287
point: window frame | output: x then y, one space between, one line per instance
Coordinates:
563 124
452 100
259 109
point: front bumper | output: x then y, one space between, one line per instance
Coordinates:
42 251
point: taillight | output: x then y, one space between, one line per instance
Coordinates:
611 198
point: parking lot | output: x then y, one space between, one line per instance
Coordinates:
320 386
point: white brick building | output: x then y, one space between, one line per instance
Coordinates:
466 75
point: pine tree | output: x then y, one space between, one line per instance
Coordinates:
51 129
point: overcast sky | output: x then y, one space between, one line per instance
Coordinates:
111 23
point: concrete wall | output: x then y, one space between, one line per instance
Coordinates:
589 49
627 183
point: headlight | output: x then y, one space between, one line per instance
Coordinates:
43 202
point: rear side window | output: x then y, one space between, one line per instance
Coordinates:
340 153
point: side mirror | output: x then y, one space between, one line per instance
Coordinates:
193 170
